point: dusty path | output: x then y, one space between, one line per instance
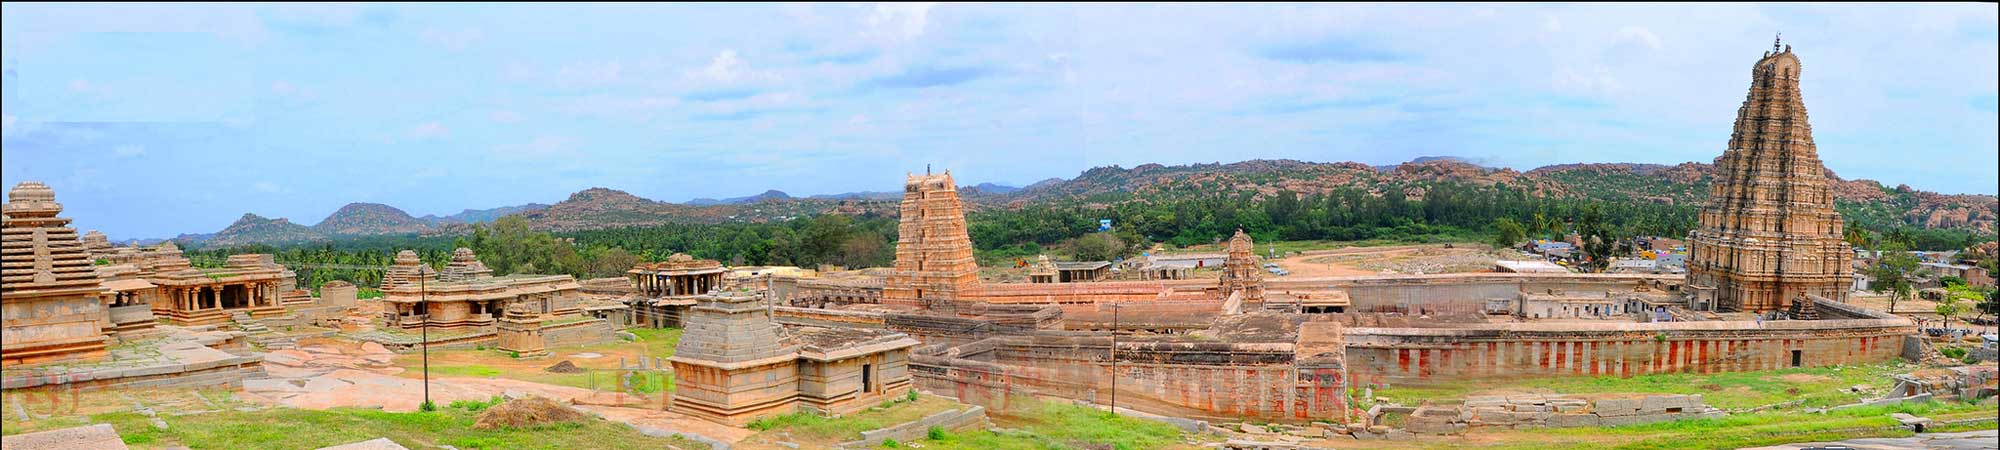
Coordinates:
333 374
1356 261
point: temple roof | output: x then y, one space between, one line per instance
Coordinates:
40 255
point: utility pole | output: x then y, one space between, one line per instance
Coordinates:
424 299
1114 358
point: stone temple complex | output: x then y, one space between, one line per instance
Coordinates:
1769 238
1207 337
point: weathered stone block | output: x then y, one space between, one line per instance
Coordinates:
1617 407
1573 420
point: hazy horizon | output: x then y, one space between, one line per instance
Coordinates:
155 120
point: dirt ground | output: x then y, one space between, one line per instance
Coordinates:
1425 258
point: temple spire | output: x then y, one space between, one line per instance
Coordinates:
1775 41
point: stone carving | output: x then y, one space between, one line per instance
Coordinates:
1769 235
934 263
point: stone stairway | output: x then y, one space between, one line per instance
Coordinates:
247 324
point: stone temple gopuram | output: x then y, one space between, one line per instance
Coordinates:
51 295
933 253
1769 236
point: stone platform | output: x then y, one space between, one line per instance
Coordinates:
185 357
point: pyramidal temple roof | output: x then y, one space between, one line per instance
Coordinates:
40 254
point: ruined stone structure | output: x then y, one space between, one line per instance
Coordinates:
1769 235
467 295
735 364
934 261
53 300
520 332
668 288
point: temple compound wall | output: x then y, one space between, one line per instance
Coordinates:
1404 293
1380 356
1179 378
466 294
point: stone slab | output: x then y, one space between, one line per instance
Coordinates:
89 437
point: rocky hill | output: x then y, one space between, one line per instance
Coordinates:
1686 183
363 219
483 215
255 229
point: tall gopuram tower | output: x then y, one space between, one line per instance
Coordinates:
933 252
51 298
1769 236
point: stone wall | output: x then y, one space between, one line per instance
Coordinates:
579 333
1472 289
1203 380
1380 356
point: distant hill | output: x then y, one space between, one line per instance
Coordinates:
1685 183
483 215
769 195
363 219
255 229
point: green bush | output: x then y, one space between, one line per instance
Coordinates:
935 434
891 443
912 396
427 406
1952 352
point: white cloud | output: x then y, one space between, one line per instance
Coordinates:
429 130
725 67
899 20
1597 81
1640 34
506 116
128 151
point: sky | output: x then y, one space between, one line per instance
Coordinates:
155 120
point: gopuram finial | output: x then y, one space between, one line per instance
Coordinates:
1775 41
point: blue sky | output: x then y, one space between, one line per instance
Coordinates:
153 120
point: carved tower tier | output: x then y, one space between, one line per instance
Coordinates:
1769 236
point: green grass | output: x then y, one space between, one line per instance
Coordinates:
472 370
299 428
812 428
1735 390
1741 430
1052 425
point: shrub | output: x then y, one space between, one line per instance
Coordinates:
935 434
1952 352
427 406
513 354
891 443
912 396
477 405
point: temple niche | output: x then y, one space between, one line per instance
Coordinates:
53 301
1769 236
934 263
